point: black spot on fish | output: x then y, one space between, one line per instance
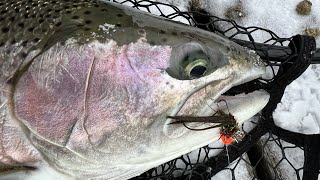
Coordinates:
1 19
24 43
75 5
68 12
66 7
12 19
41 21
141 31
167 83
63 43
152 43
174 33
21 25
3 11
88 22
104 10
96 5
49 10
35 40
27 8
80 25
75 17
119 15
87 12
23 55
44 30
48 15
87 29
164 39
31 29
57 10
162 32
33 16
5 29
172 86
13 41
17 10
118 25
58 24
1 44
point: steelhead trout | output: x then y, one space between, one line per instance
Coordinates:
86 87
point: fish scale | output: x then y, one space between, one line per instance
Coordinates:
29 25
30 21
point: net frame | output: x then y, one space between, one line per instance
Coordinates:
287 59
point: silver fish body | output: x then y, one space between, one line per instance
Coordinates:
86 87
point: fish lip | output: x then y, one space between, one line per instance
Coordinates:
183 130
179 107
218 95
233 107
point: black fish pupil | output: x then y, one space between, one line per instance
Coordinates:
198 71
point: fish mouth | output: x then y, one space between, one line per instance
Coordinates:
240 106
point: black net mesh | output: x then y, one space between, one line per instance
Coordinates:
266 151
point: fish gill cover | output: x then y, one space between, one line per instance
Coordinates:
286 59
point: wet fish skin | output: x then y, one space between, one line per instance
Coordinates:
85 87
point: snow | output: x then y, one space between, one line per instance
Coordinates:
300 105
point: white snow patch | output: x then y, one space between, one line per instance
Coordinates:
299 108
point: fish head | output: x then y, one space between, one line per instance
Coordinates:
97 81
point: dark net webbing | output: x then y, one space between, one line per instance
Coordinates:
286 59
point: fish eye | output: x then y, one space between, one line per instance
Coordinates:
192 61
196 69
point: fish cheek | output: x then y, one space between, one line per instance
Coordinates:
43 111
